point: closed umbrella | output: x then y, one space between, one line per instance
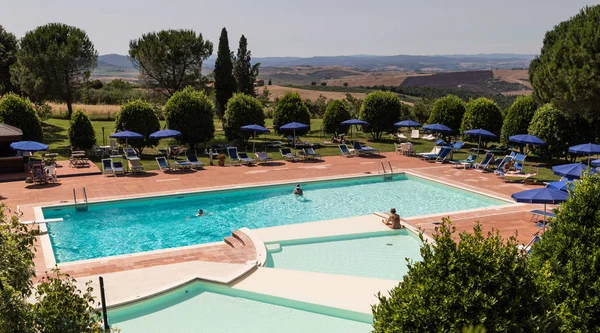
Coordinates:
293 126
541 196
255 129
356 122
571 171
585 149
480 133
28 146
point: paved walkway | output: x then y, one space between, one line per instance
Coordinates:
506 219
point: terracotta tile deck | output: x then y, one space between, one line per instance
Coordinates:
507 220
63 169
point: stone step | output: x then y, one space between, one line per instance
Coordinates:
233 242
241 237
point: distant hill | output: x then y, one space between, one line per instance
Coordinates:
115 60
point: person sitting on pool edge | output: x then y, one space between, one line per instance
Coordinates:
393 220
298 190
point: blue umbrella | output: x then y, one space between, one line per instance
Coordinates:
28 146
356 122
527 139
407 123
562 185
166 133
596 163
480 133
585 149
439 128
255 129
541 196
571 171
127 135
293 126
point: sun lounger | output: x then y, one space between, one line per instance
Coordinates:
118 168
107 167
500 168
345 151
358 149
434 156
310 153
130 154
263 157
519 162
536 214
244 159
429 137
485 163
287 155
464 163
193 159
163 165
517 177
440 142
135 166
414 134
445 154
232 153
527 247
458 146
182 165
434 151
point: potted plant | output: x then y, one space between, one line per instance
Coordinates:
221 158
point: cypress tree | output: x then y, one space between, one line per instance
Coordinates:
245 73
224 80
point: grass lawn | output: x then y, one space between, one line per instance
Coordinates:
57 137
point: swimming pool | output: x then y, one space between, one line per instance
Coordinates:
130 226
205 307
381 255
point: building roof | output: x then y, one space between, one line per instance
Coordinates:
7 130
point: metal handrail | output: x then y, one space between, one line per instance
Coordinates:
390 165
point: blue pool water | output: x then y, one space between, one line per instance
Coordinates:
130 226
203 307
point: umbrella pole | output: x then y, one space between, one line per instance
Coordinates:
478 145
544 225
295 149
253 142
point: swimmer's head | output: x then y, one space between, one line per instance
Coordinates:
200 212
297 185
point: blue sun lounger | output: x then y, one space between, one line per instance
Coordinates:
287 155
107 167
483 165
118 168
464 163
163 165
244 159
310 153
263 157
232 153
193 159
444 151
363 149
345 150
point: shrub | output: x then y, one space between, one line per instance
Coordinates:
518 117
381 110
138 116
567 258
242 110
316 108
336 112
550 125
345 84
481 113
19 112
191 112
290 108
479 280
422 110
43 110
313 83
449 111
323 83
81 132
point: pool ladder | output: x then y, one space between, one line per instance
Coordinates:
386 175
80 206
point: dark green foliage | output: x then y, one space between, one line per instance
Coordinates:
481 113
448 110
170 60
381 109
242 110
290 108
551 125
81 132
114 92
269 82
223 73
53 63
479 280
567 258
323 84
191 112
244 72
345 84
138 116
19 112
354 105
580 130
316 108
421 111
518 117
566 71
8 56
336 112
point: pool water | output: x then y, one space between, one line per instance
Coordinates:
130 226
380 256
204 307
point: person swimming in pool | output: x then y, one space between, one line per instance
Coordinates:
298 190
200 212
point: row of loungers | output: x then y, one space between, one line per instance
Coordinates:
357 149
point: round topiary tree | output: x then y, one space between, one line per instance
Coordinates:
191 112
381 109
19 112
449 111
518 117
138 116
81 132
290 108
336 112
242 110
551 125
481 113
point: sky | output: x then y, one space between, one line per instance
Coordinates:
276 28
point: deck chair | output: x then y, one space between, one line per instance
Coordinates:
485 163
363 149
458 146
193 159
520 162
445 155
244 159
114 147
528 247
464 163
232 153
118 168
310 153
429 137
130 154
287 155
500 169
345 151
107 167
434 151
51 176
414 134
263 157
135 166
440 142
443 151
517 177
163 165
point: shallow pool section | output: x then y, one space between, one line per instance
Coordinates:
204 307
381 255
130 226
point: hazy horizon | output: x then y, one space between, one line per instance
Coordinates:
312 28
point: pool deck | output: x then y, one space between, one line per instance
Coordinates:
508 219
